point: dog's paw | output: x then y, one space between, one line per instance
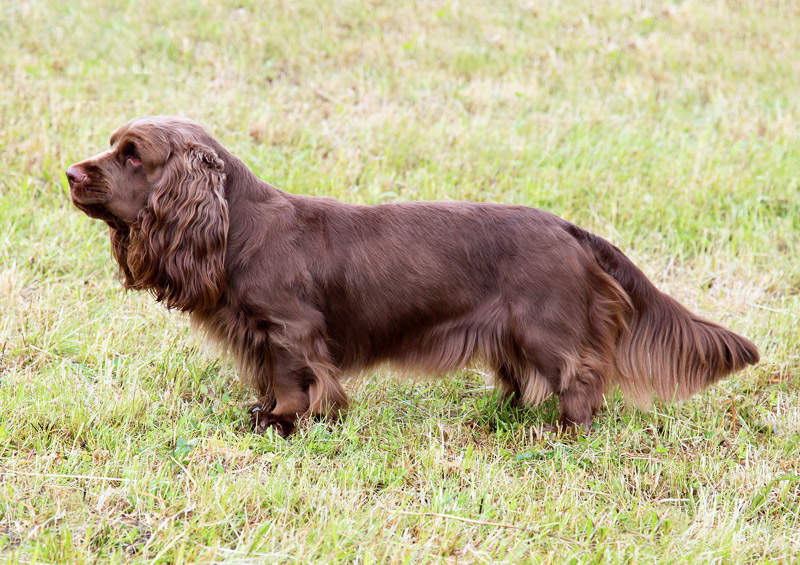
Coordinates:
546 429
570 427
261 421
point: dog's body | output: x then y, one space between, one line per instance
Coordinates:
301 290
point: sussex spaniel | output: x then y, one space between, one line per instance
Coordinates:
302 290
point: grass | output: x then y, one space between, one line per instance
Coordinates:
670 128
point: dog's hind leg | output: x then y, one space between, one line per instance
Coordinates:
507 378
556 367
556 357
581 396
523 385
326 396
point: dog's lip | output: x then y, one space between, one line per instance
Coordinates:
88 197
93 205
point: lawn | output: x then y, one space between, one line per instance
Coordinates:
672 129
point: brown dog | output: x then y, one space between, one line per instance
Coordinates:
301 290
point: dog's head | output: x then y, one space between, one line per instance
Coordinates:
160 188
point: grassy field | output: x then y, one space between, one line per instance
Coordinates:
670 128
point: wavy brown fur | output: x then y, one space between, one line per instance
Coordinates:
301 290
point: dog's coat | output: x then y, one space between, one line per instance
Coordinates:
300 290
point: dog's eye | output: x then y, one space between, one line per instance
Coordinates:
130 155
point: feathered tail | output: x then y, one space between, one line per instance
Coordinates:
666 350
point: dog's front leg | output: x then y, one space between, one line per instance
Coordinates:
291 402
303 385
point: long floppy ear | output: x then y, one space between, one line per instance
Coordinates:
119 248
177 249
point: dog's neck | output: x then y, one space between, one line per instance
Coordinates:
251 201
241 185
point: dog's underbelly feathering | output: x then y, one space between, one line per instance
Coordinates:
301 290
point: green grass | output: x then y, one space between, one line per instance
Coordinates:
670 128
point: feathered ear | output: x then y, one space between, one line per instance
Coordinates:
119 247
177 248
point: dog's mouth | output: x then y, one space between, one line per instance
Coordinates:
88 195
93 202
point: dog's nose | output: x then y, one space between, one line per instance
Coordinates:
76 176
